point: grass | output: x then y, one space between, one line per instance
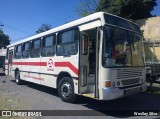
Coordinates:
154 89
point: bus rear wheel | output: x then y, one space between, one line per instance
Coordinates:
66 90
17 78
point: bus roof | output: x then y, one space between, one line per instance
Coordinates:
92 17
62 27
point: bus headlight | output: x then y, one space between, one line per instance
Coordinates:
118 83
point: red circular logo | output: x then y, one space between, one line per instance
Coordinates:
50 63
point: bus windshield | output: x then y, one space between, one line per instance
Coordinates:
122 48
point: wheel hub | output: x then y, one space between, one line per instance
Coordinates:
66 89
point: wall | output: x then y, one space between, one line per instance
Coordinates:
151 31
151 27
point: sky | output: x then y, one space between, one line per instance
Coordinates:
21 18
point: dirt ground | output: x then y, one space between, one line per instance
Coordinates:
30 96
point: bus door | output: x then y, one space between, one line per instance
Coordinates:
10 57
89 63
83 63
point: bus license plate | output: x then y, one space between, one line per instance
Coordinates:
132 91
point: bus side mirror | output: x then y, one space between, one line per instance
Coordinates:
84 44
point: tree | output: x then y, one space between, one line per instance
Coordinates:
43 28
87 7
129 9
4 40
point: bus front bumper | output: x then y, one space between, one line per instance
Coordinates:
114 93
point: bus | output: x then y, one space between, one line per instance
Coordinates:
98 56
2 57
152 60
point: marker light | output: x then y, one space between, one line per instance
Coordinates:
108 84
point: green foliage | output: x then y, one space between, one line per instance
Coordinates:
130 9
4 40
87 7
43 28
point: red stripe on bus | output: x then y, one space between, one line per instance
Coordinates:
57 64
30 63
67 64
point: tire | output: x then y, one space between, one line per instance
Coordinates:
66 90
17 78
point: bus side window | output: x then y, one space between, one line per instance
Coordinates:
48 46
18 52
35 48
67 43
26 48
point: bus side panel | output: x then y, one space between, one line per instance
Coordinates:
70 65
25 68
48 80
57 64
33 67
48 76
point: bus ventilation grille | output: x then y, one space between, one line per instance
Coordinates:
129 73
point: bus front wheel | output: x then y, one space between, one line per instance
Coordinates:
66 90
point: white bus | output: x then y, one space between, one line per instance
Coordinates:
98 56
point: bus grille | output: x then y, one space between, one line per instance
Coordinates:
130 81
128 73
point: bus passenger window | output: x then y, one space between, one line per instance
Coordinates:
35 48
18 52
67 43
48 46
26 48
